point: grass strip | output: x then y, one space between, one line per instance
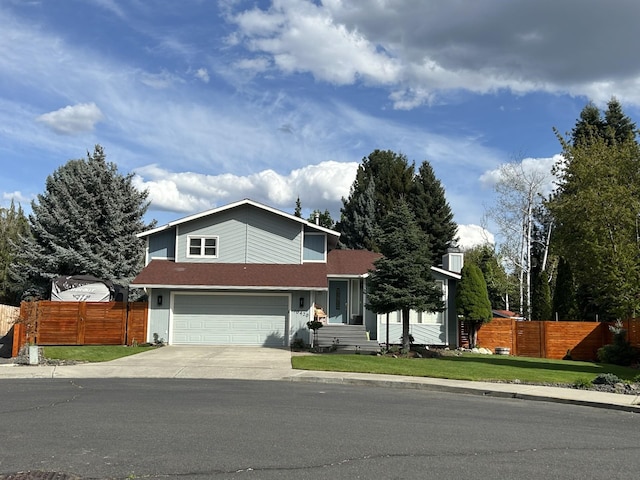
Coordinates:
93 353
466 367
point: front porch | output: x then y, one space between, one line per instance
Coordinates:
351 338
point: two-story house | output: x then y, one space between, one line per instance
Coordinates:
248 274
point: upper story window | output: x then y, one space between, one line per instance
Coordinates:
202 247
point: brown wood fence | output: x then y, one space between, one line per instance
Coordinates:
80 323
8 316
553 339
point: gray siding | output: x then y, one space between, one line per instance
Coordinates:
162 244
245 235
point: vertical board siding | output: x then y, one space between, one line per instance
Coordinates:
80 323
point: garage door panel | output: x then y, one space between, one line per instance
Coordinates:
229 319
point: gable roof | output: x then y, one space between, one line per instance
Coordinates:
223 208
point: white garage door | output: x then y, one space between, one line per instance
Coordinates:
229 320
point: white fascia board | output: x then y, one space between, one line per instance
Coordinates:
246 201
335 275
222 287
455 276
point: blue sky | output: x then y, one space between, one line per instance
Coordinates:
210 102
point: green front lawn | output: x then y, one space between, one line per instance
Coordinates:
466 367
94 353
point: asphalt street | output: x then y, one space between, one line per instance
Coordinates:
183 428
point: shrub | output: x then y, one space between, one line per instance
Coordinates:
582 384
607 379
620 352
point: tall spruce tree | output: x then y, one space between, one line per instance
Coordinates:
84 223
402 278
358 220
472 300
432 211
14 226
384 179
368 203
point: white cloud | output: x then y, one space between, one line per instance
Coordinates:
72 119
470 236
318 186
540 166
420 50
18 198
202 74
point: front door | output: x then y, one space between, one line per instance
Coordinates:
338 301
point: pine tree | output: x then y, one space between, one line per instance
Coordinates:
541 297
472 300
85 223
369 203
564 294
383 180
298 211
588 126
618 127
358 221
433 213
402 277
13 227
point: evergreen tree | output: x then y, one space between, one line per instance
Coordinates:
588 126
369 203
501 287
472 300
85 223
564 293
402 277
618 127
433 213
358 221
298 211
383 180
13 227
541 297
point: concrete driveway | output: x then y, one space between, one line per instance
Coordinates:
250 363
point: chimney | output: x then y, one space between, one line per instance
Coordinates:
453 260
317 216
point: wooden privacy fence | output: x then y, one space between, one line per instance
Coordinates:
80 323
553 339
8 316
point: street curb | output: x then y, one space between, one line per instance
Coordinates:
462 390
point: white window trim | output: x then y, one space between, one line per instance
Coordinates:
202 237
315 234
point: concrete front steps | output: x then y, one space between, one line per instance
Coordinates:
351 338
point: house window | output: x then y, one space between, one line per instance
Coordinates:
203 247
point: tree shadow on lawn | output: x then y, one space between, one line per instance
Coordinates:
538 364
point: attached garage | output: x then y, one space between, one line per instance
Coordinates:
227 319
